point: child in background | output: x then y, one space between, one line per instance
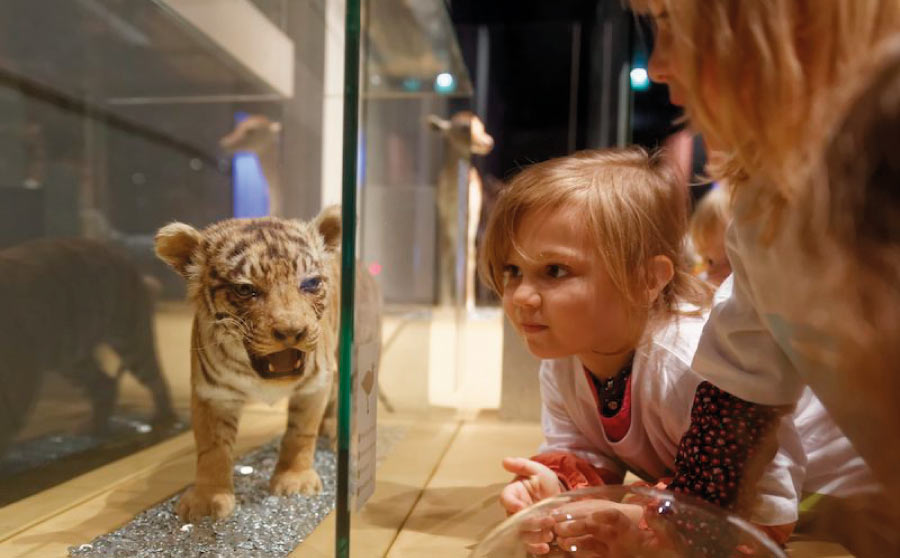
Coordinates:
585 252
708 224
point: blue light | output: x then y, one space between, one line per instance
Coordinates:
444 83
640 81
412 84
250 189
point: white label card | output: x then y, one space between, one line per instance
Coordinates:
365 408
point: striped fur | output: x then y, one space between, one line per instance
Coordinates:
259 287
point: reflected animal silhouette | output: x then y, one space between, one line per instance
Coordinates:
465 136
65 301
258 134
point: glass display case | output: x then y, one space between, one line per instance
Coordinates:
238 245
121 117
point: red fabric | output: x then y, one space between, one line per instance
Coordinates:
615 427
575 472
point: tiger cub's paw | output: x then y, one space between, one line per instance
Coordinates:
289 482
196 504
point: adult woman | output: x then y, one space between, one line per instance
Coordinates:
761 81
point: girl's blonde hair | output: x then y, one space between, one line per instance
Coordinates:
710 217
760 76
632 204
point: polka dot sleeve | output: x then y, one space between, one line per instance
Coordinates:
720 459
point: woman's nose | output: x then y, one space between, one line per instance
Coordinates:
658 65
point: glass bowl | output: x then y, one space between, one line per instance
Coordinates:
619 521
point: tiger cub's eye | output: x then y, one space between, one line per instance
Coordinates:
244 290
311 284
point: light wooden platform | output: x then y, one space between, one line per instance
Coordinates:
435 496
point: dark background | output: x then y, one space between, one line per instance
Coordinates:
546 81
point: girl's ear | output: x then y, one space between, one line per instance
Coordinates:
660 271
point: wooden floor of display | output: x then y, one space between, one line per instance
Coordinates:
435 494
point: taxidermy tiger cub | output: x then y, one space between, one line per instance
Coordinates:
265 293
64 298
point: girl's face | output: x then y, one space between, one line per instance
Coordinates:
715 257
557 293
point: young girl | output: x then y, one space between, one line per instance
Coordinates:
707 229
585 252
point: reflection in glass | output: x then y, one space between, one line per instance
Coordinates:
82 309
627 521
108 132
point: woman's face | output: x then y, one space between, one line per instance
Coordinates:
661 67
665 67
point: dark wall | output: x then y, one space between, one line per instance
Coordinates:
535 84
555 70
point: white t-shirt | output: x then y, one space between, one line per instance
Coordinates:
662 393
746 346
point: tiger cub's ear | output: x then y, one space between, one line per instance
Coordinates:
328 223
176 244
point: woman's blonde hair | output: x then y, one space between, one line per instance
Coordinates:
759 76
710 218
852 230
634 207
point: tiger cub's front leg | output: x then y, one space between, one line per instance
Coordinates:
294 471
215 427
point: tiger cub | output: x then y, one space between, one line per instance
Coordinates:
265 294
63 298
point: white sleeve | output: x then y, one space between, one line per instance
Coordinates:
560 431
737 353
779 489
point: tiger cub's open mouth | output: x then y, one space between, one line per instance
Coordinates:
274 366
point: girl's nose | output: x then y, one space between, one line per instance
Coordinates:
526 295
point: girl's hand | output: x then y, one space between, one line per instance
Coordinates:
534 482
600 528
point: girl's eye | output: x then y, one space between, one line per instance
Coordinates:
510 272
244 290
311 284
557 271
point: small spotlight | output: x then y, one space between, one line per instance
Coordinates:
444 83
640 81
375 268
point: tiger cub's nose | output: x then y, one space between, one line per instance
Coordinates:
289 335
